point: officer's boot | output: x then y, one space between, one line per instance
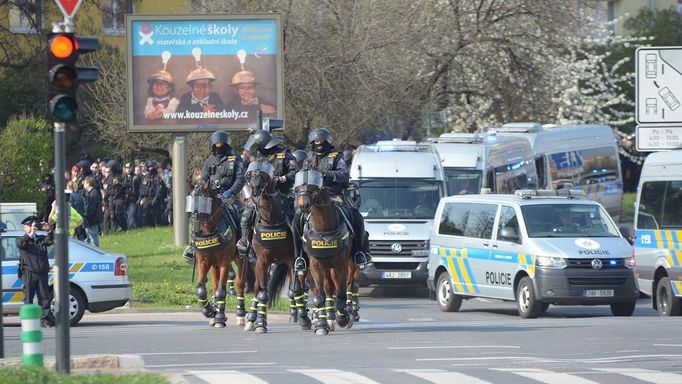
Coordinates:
301 262
247 218
188 254
360 258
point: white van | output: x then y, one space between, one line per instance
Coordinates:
658 231
535 247
12 214
472 161
575 156
400 184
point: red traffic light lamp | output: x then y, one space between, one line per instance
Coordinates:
63 46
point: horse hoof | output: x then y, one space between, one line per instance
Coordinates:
321 332
219 325
248 326
211 323
293 319
356 317
261 330
241 320
345 322
331 324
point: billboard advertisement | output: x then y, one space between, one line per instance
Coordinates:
189 73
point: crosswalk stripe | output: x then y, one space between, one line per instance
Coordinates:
547 377
218 377
444 377
646 375
334 376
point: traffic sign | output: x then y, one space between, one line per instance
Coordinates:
658 137
68 7
659 85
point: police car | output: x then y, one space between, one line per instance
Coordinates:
538 248
99 280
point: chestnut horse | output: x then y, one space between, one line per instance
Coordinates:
272 243
214 237
326 240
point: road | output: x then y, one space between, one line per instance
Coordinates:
403 339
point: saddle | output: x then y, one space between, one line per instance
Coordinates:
325 245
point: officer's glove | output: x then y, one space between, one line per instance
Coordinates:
281 179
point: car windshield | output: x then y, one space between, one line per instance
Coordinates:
568 220
399 198
462 181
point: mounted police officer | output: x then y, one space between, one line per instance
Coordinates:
223 171
262 143
336 176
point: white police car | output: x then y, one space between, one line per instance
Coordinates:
99 280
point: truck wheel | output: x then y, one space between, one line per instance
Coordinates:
527 305
447 300
668 304
624 308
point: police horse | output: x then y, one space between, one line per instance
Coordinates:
272 243
327 241
214 236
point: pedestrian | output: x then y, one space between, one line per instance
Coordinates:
75 219
34 265
93 211
77 201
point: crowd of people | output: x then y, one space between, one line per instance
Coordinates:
111 196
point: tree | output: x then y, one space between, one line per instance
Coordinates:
25 155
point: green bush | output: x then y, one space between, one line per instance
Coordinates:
25 157
23 375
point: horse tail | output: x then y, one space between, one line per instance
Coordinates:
276 283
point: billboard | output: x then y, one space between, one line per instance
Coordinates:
189 73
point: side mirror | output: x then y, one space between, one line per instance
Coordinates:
509 233
626 233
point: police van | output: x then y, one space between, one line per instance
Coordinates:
474 161
658 231
575 156
400 184
536 247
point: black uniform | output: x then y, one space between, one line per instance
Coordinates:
34 267
152 195
132 194
116 193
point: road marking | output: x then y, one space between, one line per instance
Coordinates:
667 345
534 359
548 377
443 377
218 377
194 353
417 319
458 347
204 365
334 376
646 375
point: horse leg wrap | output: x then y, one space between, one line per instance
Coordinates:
293 312
241 310
201 292
220 295
262 297
252 311
329 307
230 284
206 306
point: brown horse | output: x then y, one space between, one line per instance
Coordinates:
214 238
273 244
327 242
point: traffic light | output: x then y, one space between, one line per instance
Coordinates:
64 76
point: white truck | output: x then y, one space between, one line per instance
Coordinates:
400 184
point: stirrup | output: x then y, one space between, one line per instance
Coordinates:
242 246
300 264
188 254
361 260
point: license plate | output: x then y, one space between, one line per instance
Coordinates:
598 293
396 275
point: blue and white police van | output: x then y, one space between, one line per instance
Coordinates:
538 248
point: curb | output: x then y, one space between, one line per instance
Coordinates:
90 362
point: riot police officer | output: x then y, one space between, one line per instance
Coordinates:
116 191
152 194
223 171
132 191
336 176
285 168
300 156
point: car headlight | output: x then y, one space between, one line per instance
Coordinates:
550 262
630 262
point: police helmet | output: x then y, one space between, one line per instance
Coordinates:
320 134
261 140
300 155
220 136
113 164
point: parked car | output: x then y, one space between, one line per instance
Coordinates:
98 280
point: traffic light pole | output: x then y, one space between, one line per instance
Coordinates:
61 284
